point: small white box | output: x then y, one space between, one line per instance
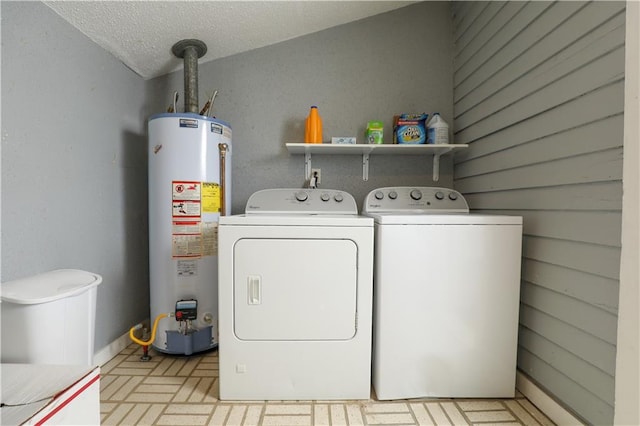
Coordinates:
344 140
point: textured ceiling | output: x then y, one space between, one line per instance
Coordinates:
141 33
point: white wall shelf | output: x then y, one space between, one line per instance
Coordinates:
368 149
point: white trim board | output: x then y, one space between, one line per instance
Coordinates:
107 353
545 403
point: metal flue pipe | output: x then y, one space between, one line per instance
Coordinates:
190 50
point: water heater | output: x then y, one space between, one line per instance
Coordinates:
189 188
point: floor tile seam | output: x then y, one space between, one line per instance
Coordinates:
411 412
443 410
178 380
127 389
506 408
517 417
245 413
187 391
150 406
460 411
132 391
537 413
203 388
163 366
213 413
115 412
330 411
503 407
426 410
314 404
109 364
140 415
115 385
262 414
160 414
130 368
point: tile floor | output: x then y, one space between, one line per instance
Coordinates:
178 390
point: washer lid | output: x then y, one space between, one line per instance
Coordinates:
444 219
48 287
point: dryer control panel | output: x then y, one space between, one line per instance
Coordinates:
301 201
415 199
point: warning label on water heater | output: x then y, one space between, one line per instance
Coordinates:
210 197
187 246
186 208
190 236
186 191
210 238
186 226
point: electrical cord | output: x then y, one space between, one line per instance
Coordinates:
2 405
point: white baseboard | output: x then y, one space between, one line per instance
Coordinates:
105 354
545 403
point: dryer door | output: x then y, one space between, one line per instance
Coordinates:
295 289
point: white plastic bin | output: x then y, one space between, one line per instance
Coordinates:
50 318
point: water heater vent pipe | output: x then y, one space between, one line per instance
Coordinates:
190 50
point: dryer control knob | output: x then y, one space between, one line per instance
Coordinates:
338 198
301 196
439 195
379 195
453 196
325 197
415 194
393 195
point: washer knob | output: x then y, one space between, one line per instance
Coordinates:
301 196
325 197
415 194
338 198
393 195
453 196
439 195
379 195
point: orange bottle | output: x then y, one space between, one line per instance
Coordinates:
313 127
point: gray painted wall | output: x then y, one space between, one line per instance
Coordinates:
74 167
368 70
538 95
74 191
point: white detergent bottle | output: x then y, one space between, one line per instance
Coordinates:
437 130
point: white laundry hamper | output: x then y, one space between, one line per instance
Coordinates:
49 318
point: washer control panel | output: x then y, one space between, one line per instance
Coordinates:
415 199
301 201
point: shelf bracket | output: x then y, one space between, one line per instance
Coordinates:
365 166
436 167
436 163
307 165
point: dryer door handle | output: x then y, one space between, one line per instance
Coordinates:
254 289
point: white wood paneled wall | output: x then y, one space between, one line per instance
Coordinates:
539 98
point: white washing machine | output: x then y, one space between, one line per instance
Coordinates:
446 296
295 298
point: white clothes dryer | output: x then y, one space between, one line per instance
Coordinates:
446 296
295 298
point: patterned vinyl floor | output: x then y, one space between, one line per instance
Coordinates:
176 390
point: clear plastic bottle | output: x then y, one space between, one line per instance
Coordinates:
313 126
437 130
